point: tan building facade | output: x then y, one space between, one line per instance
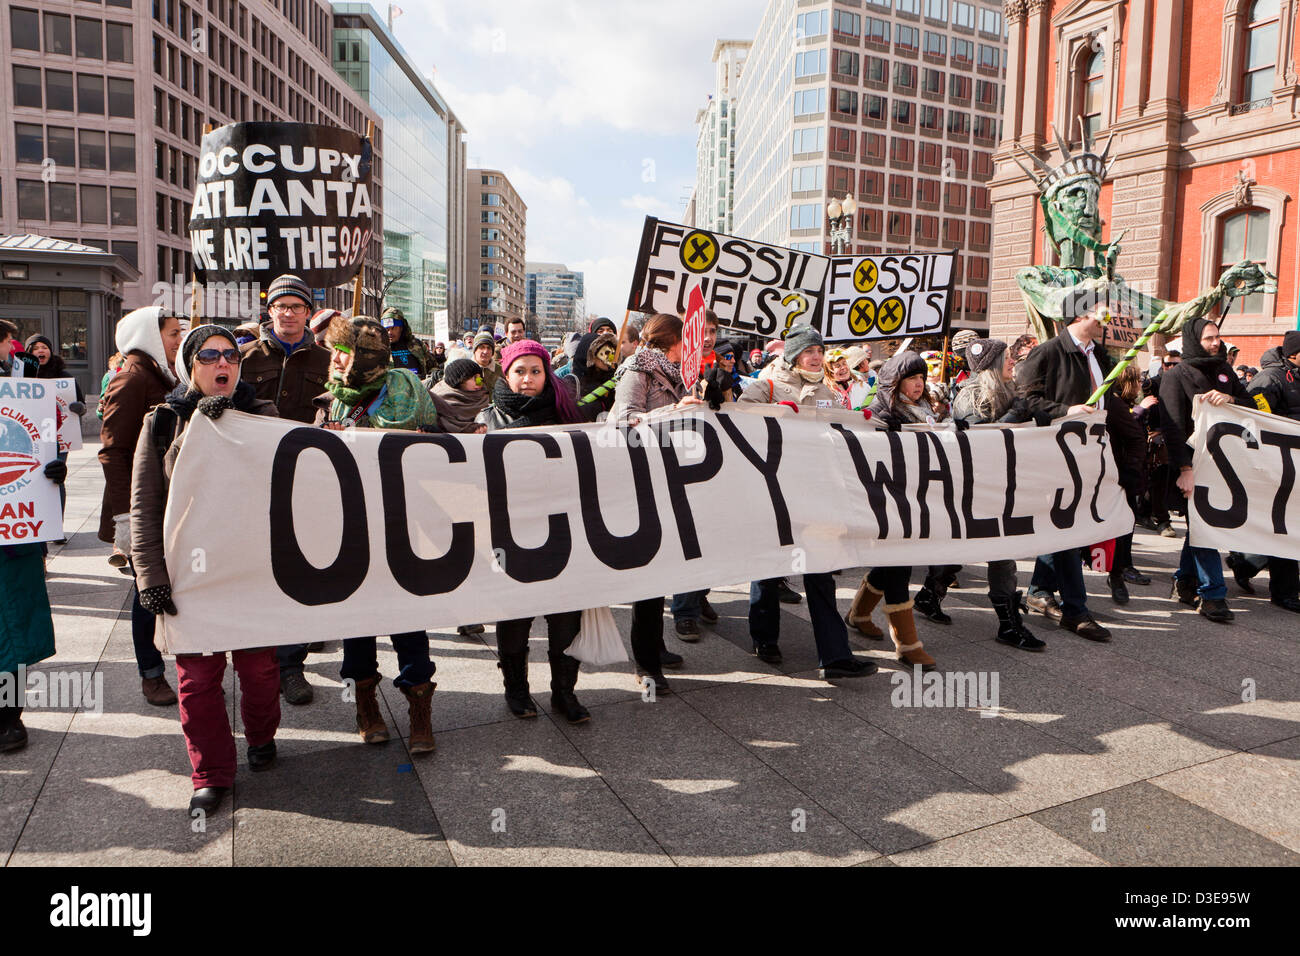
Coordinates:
496 232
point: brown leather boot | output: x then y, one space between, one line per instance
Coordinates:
157 691
420 706
370 719
902 628
859 616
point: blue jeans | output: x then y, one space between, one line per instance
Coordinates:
1062 571
1205 565
143 623
414 666
686 607
829 632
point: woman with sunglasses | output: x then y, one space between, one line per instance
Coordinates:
208 372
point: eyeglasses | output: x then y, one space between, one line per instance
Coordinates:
212 356
289 309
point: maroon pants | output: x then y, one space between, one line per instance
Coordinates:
204 719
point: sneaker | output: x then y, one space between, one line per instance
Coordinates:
1118 591
262 757
1167 530
468 630
849 667
1184 592
669 659
1146 523
768 653
13 737
1046 604
707 614
1133 576
1216 611
157 691
1086 628
687 630
295 689
789 595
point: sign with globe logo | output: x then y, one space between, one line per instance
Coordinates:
29 502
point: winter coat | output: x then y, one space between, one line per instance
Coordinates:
1278 384
784 384
406 405
966 406
138 387
26 624
1126 425
642 390
902 365
1055 377
159 444
417 358
1178 388
293 381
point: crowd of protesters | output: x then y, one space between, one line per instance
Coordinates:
336 371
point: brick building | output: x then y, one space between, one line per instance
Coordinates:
1204 103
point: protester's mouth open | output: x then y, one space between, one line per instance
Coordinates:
223 379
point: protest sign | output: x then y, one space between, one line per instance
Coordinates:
65 393
885 297
273 198
693 337
441 326
753 286
1244 462
378 532
29 502
1123 330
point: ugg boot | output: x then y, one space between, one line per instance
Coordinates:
370 721
514 673
564 678
859 616
902 628
1011 629
419 705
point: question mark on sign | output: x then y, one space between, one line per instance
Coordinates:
800 304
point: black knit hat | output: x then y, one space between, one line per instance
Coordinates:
461 370
1290 342
801 337
197 336
984 354
722 346
288 285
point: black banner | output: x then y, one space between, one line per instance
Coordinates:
281 197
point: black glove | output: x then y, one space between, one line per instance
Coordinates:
896 425
213 406
158 600
962 424
430 429
77 408
56 471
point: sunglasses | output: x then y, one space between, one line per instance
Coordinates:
212 356
1168 364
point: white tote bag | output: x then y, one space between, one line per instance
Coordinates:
598 641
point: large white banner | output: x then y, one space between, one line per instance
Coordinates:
278 533
29 502
1245 470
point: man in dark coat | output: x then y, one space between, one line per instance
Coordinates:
1056 380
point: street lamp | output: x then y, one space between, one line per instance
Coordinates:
839 213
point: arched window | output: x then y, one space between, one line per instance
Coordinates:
1092 79
1244 235
1259 51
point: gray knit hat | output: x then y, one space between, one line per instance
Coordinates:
984 354
288 285
799 338
484 338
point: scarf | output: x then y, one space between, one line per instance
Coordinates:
457 408
183 400
352 397
1196 356
525 411
650 359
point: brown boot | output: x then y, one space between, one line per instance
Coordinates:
859 616
370 720
902 628
157 691
420 705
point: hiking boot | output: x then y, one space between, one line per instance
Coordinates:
1118 590
294 688
419 707
1086 628
768 653
564 678
687 630
370 720
1216 610
1184 591
157 691
1011 629
261 757
787 594
1132 575
1167 530
849 667
707 614
514 674
1045 603
927 603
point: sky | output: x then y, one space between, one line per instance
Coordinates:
588 106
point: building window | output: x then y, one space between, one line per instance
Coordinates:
29 143
90 39
902 151
937 10
58 34
909 6
1092 79
875 30
900 189
810 24
809 139
963 51
806 178
904 76
846 63
91 152
990 57
963 15
25 29
936 44
122 206
94 205
121 98
1244 236
873 108
121 152
903 113
810 63
117 42
846 24
808 102
932 82
872 184
31 199
877 69
906 39
991 22
927 192
90 94
932 118
1259 59
845 102
61 146
873 147
805 216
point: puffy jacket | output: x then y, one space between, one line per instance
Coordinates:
138 387
785 384
291 382
1278 384
164 428
643 390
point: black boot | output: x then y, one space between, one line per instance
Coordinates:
927 604
564 678
1011 629
514 673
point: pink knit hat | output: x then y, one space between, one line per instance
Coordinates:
565 406
517 350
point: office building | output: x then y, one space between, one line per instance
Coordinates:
715 162
496 231
557 296
462 288
896 102
1205 113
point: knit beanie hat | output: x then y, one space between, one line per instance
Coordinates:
723 347
190 346
602 323
320 322
460 371
41 339
855 355
368 342
984 354
799 338
1291 342
484 338
288 285
963 338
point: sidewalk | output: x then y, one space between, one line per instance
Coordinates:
1141 751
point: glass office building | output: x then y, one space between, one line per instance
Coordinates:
415 181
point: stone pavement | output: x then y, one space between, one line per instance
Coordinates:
1137 752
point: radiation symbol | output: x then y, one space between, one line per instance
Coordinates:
890 315
699 251
862 316
865 276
